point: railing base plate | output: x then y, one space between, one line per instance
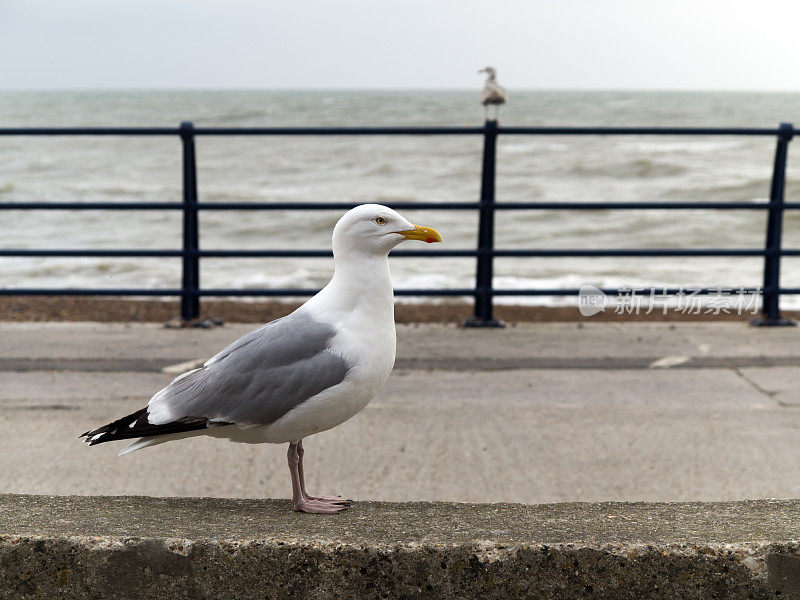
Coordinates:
766 322
476 322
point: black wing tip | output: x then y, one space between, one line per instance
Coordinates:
91 432
132 426
98 438
115 430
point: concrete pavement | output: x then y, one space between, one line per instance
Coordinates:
533 413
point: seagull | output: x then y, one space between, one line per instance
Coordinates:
493 93
298 375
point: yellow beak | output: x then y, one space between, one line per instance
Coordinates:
423 234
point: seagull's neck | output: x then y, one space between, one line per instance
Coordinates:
361 285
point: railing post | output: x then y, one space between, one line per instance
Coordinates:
190 298
770 309
484 270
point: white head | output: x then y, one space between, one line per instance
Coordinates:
491 72
372 229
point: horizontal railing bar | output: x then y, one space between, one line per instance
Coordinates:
91 206
326 253
641 292
312 253
89 292
644 205
310 292
120 253
631 252
497 292
339 130
400 292
454 253
230 205
84 253
766 131
209 292
334 205
133 131
89 131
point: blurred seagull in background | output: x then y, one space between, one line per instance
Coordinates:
493 94
299 375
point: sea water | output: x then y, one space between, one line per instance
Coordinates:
394 169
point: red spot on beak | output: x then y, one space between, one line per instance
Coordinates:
430 240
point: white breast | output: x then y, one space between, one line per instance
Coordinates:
358 302
370 352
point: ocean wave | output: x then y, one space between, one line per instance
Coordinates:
686 145
88 189
233 116
638 168
254 192
751 190
380 169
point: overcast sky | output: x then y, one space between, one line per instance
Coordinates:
561 44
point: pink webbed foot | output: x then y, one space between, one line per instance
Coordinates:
316 507
330 500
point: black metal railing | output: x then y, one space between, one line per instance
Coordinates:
484 292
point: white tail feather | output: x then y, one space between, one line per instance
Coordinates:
158 439
141 443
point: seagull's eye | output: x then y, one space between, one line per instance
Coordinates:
380 220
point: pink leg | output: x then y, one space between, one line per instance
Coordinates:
299 503
306 495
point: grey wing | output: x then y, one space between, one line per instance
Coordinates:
257 379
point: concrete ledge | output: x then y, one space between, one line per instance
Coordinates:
142 547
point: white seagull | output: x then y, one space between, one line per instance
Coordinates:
298 375
493 94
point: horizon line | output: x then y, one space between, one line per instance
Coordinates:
402 89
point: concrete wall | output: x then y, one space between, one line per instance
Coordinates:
143 547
